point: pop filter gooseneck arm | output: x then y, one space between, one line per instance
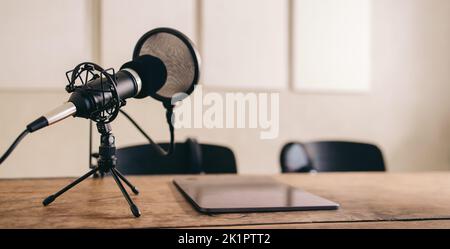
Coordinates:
157 147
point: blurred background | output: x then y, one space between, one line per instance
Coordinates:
363 70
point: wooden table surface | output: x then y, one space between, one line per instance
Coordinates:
368 200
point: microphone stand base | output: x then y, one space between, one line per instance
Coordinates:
106 163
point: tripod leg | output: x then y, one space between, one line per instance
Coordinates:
133 207
133 188
51 198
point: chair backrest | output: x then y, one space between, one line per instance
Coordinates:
187 158
331 156
217 159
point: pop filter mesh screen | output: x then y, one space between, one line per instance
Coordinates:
178 59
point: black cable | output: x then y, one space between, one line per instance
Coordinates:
157 147
13 145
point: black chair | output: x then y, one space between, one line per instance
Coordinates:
189 157
331 156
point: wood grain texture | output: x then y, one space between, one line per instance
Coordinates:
424 224
364 197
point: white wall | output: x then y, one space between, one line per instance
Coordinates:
331 45
245 43
407 111
41 40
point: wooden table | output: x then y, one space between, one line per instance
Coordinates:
368 200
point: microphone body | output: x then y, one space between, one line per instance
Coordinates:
82 102
97 95
133 80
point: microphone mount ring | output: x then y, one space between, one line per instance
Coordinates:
86 72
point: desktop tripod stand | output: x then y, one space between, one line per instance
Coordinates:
106 163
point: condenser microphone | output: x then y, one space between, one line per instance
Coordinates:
165 63
139 78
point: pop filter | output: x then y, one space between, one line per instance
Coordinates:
180 58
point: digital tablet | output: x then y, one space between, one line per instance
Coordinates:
233 193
